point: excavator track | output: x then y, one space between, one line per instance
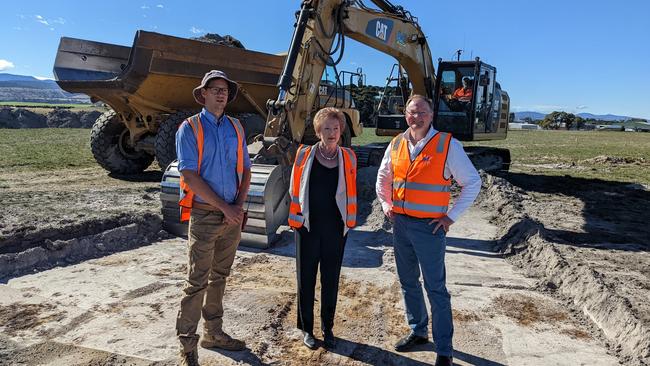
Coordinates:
267 204
370 155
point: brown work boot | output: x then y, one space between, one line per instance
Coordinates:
189 358
223 341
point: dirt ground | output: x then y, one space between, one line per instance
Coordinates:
89 278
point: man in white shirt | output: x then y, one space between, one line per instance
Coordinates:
413 186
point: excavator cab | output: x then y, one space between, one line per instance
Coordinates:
468 102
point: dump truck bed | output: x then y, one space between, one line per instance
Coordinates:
157 74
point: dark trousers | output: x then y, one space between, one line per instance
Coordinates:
324 246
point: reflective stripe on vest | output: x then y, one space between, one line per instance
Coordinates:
304 157
350 174
419 186
186 195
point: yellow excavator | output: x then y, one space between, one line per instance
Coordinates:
320 34
319 41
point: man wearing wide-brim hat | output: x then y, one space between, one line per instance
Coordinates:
215 177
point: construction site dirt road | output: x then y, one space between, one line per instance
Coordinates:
541 271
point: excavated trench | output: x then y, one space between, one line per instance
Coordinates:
35 250
602 270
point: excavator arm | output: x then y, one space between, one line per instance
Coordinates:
318 37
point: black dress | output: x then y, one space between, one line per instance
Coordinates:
324 244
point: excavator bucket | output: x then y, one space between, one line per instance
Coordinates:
267 204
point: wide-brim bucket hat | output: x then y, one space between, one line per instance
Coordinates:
215 74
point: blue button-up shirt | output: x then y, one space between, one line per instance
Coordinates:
219 162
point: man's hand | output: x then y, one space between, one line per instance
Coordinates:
444 222
233 214
390 214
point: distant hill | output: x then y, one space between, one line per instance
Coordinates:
10 77
604 117
519 116
22 88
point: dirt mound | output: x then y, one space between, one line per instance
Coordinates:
65 118
48 253
215 38
56 118
370 212
21 118
588 277
614 160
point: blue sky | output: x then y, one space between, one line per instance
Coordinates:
572 55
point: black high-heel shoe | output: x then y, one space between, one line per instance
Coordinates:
329 339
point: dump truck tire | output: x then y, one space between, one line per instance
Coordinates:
165 144
108 145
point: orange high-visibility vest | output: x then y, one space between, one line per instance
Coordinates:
303 157
463 95
186 194
419 186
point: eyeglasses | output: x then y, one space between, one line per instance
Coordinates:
417 114
217 91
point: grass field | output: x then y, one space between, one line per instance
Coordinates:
44 149
616 156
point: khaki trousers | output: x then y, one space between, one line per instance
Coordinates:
212 248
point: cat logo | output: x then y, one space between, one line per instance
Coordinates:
381 30
322 90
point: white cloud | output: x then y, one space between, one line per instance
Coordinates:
59 20
6 65
160 6
581 107
144 7
196 30
41 20
43 78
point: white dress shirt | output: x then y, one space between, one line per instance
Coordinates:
458 166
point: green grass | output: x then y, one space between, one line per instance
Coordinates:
369 136
572 153
44 149
533 152
569 153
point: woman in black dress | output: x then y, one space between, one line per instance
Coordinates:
323 208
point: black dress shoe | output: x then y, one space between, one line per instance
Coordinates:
309 341
409 342
444 361
329 339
